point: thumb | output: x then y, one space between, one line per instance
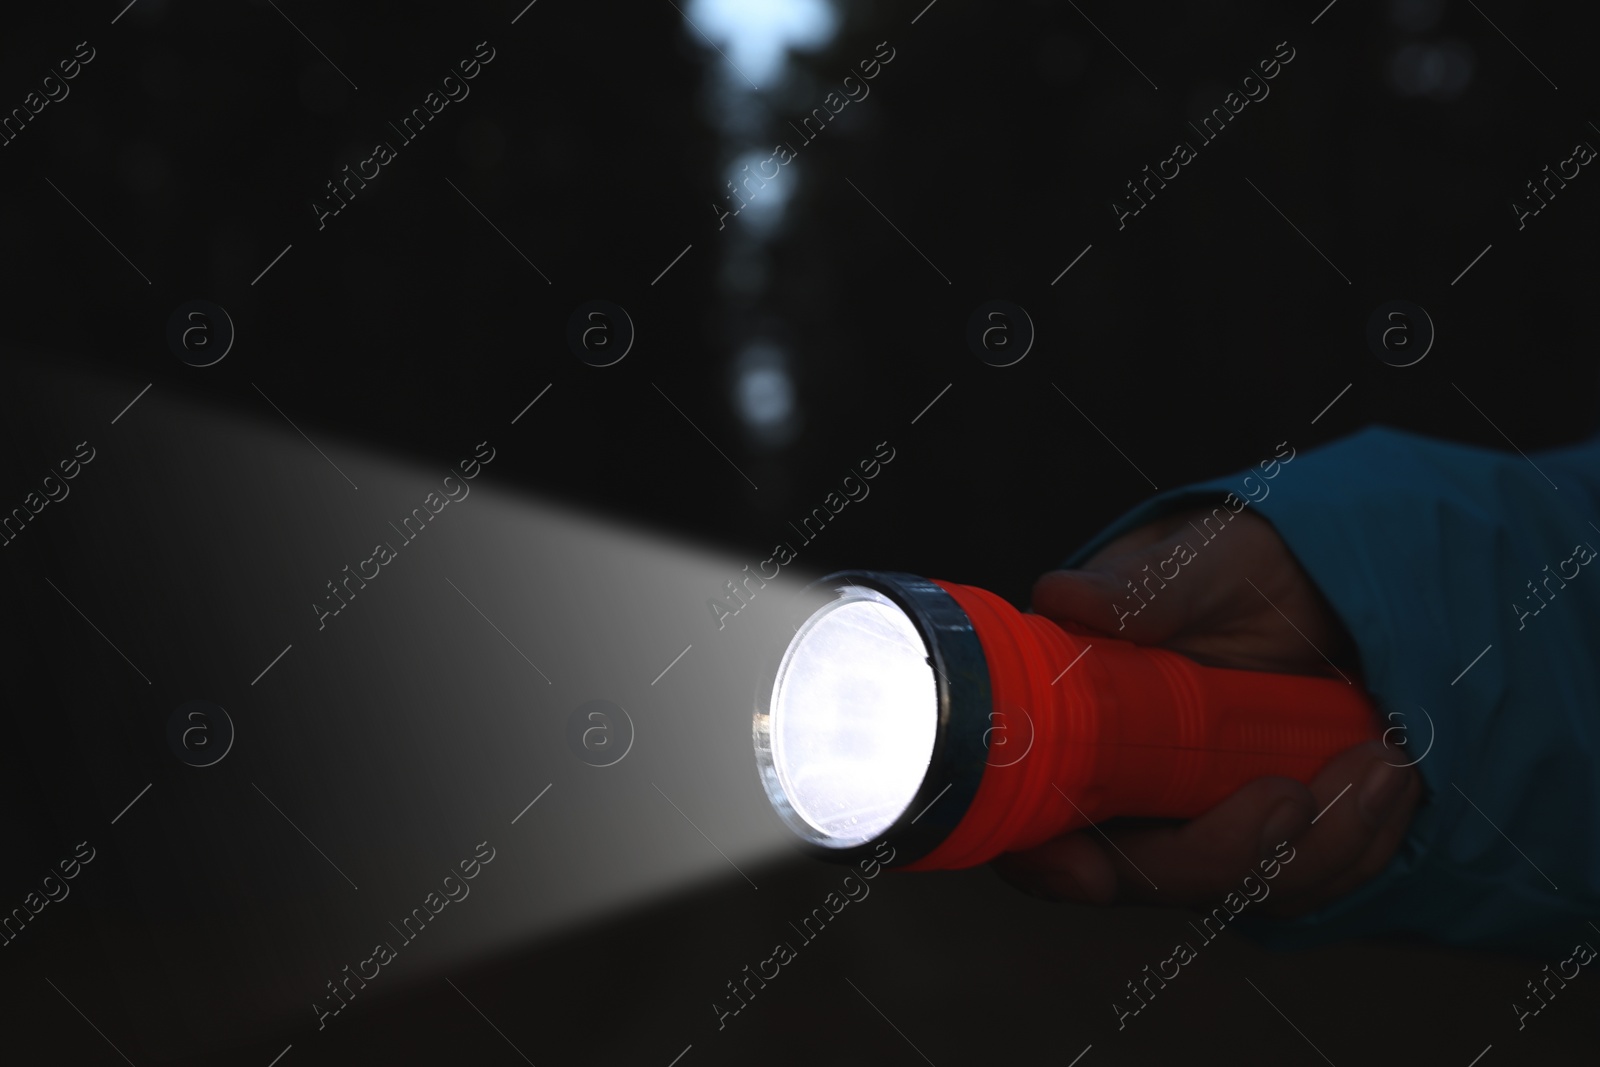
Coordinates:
1126 596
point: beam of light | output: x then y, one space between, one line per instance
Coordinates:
408 725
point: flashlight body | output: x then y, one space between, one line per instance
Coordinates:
1129 730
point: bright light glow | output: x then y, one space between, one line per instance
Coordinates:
764 393
757 34
762 186
854 715
766 396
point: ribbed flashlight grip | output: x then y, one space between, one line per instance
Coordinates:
1111 728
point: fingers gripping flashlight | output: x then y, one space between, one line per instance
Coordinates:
898 709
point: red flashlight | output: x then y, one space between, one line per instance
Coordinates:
938 717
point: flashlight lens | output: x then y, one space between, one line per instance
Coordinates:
854 715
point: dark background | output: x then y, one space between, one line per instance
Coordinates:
1197 338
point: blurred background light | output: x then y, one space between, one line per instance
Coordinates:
1438 71
764 185
757 35
1416 16
764 393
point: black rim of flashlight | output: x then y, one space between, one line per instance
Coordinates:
960 746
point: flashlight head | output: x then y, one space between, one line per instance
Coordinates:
872 725
878 723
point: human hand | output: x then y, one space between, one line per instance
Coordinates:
1211 613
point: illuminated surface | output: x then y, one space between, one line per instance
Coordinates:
854 713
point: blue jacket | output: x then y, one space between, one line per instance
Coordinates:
1433 553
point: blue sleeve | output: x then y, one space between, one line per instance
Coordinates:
1468 579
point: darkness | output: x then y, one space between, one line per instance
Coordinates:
593 149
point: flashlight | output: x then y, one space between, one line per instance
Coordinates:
939 718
